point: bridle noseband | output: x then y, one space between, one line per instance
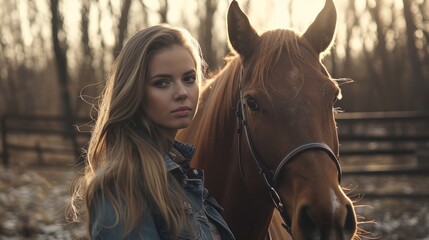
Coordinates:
271 177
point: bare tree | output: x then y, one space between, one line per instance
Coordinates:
424 12
205 31
86 70
415 63
60 52
381 43
103 47
84 26
290 7
163 10
13 94
7 89
351 23
122 27
144 13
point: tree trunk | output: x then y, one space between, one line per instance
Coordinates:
103 49
86 71
63 78
381 43
144 12
350 24
416 66
8 94
423 7
376 97
399 85
122 27
382 50
205 33
163 10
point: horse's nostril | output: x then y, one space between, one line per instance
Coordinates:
313 223
350 223
307 224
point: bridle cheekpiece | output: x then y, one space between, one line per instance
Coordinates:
271 177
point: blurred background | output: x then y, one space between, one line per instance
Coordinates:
55 56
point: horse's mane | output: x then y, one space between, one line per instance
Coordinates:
212 129
215 112
220 95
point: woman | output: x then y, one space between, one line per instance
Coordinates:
137 181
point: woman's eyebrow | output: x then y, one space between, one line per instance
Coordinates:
164 75
190 72
161 75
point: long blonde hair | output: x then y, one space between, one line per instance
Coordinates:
124 166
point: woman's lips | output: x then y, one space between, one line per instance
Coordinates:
182 111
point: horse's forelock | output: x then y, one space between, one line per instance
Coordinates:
270 50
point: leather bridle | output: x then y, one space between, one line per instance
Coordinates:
271 177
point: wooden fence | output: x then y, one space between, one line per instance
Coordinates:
385 142
42 135
403 136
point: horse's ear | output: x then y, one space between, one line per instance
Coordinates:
242 36
322 30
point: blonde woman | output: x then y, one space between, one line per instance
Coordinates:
137 182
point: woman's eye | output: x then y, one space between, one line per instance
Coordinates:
189 79
252 104
161 83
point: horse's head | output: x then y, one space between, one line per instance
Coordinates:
287 102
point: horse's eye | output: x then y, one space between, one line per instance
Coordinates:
252 104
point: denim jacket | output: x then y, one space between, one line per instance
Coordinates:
201 208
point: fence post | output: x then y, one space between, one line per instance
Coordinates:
3 129
422 151
39 152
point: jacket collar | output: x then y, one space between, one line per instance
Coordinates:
187 150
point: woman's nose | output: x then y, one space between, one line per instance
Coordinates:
181 91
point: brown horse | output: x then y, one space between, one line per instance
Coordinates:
266 135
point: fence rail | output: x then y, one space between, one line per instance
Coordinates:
360 134
400 135
39 128
403 135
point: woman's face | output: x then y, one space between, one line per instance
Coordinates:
172 93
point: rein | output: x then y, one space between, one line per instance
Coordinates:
271 177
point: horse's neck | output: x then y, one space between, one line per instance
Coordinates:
247 215
213 129
214 133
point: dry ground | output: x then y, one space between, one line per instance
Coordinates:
32 204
